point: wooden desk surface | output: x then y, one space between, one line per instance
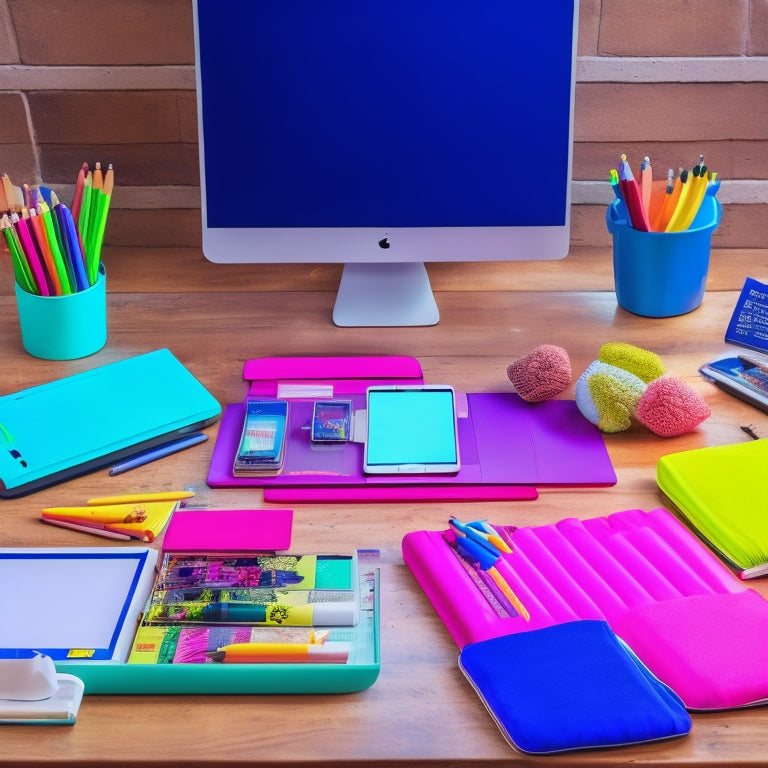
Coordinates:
421 710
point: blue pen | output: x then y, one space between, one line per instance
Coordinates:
622 205
464 532
151 454
482 534
71 242
486 561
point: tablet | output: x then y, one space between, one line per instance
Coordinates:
411 430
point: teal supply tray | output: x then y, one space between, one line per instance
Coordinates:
359 673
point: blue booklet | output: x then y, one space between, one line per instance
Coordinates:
748 326
745 375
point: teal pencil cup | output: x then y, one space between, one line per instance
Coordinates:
64 327
662 274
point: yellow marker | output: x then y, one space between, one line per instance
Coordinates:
116 513
133 498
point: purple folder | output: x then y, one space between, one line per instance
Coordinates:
507 446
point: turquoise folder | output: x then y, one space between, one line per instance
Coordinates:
74 425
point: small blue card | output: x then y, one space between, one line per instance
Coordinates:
748 326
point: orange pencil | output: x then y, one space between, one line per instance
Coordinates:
646 183
670 202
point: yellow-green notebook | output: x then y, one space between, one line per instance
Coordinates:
723 493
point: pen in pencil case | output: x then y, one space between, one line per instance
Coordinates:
484 557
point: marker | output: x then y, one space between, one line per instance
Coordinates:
496 543
487 562
152 454
276 653
118 513
134 498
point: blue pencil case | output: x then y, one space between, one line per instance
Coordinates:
571 686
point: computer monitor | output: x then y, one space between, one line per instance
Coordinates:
385 134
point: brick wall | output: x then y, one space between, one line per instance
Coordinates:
113 80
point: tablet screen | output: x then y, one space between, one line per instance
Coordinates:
411 429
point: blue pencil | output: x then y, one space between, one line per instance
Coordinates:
151 454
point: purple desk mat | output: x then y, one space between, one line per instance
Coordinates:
504 441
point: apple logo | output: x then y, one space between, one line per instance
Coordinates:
384 242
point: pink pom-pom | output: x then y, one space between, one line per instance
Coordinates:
541 374
669 407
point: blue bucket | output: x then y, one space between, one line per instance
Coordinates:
662 274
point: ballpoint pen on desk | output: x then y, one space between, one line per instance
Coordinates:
152 454
138 498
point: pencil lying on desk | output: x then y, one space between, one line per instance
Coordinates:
118 513
277 653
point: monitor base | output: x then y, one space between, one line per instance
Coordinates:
385 295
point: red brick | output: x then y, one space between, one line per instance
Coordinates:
757 44
13 125
158 228
186 103
670 111
9 53
589 27
18 161
105 117
93 32
674 27
136 165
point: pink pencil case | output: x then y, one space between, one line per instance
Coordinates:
686 616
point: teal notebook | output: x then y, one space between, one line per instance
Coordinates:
74 425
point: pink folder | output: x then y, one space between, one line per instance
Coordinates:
507 446
680 609
218 531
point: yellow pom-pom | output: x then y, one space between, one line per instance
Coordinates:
615 397
644 364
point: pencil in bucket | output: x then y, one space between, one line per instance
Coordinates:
56 255
662 234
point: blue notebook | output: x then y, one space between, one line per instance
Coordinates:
571 686
74 425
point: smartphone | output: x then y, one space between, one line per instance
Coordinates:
262 441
